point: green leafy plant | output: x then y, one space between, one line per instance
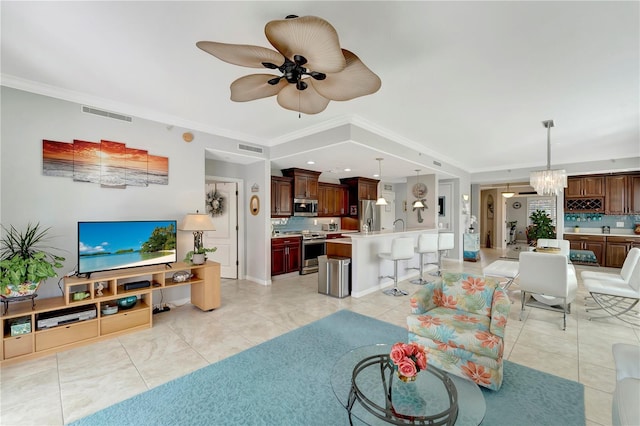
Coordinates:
541 227
201 250
25 257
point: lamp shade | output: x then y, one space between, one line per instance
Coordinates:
418 204
381 202
197 222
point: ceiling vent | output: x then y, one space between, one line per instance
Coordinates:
249 148
106 114
437 163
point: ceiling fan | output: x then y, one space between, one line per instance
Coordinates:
315 69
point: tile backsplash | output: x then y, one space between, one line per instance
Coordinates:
596 220
301 223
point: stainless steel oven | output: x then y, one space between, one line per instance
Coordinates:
312 247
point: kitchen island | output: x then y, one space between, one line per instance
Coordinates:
367 267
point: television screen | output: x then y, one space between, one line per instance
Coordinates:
104 246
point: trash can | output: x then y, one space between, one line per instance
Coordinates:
333 276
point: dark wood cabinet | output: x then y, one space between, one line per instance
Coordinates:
617 249
587 186
617 194
617 199
589 242
281 199
332 199
305 182
634 194
360 188
285 255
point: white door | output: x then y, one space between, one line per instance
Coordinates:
388 212
225 237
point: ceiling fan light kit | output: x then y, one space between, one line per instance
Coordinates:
315 69
507 193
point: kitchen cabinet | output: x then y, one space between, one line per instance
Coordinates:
285 255
332 199
617 249
281 199
305 182
634 194
592 243
361 188
622 194
586 186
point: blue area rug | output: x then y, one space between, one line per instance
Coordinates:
286 381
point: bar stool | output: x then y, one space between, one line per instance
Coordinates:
446 242
401 249
427 243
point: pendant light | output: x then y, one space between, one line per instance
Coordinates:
381 201
507 193
418 203
548 182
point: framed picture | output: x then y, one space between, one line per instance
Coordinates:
441 211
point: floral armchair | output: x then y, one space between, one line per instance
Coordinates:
460 320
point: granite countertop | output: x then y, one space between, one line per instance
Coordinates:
615 232
346 240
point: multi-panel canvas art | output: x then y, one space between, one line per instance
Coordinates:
111 164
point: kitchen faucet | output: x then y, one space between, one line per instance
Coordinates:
396 221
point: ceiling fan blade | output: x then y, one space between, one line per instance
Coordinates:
307 101
354 81
308 36
255 86
242 54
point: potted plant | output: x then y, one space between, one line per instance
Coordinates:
26 260
198 257
541 227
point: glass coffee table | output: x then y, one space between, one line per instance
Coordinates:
365 383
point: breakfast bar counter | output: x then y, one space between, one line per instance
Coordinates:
367 267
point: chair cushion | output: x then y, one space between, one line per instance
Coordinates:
462 333
472 294
610 287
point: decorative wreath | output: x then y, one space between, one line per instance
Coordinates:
215 203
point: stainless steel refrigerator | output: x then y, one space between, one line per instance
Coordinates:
369 214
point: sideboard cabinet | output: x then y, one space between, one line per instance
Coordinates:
26 333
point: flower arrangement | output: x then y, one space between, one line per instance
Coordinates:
409 359
215 203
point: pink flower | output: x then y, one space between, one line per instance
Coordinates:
421 360
407 368
397 353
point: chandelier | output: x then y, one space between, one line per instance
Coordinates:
548 182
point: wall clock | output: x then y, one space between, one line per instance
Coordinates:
419 190
517 205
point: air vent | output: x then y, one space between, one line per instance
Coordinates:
388 187
437 163
249 148
106 114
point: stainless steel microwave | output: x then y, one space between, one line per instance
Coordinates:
303 207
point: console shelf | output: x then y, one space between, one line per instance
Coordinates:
83 294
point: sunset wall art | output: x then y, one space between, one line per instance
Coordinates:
111 164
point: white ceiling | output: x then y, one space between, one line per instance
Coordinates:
468 81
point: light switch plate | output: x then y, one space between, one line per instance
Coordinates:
619 224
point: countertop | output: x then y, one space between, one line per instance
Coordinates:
619 232
294 235
339 240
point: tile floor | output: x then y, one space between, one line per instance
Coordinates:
61 388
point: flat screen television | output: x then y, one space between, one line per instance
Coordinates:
104 246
